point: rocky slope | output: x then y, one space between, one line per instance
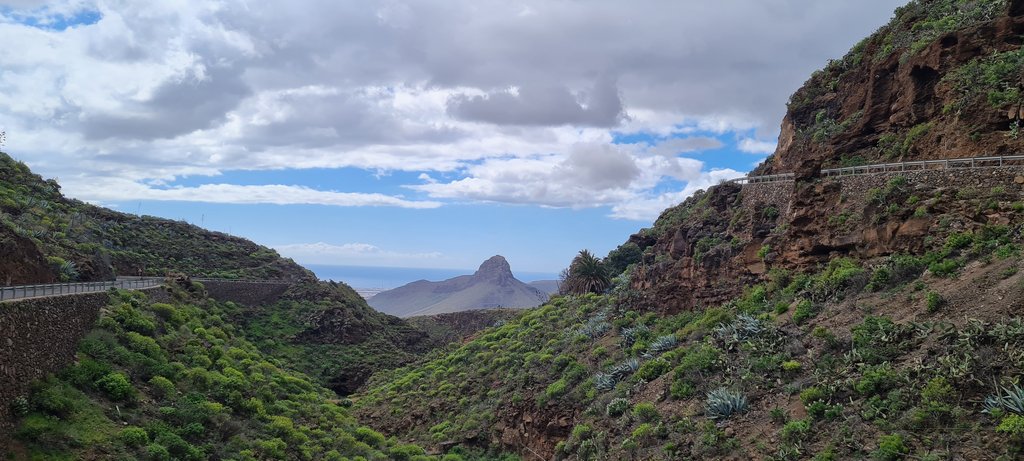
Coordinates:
873 317
942 80
492 286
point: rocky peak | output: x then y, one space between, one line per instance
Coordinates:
495 268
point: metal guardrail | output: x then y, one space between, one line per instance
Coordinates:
57 289
782 177
880 168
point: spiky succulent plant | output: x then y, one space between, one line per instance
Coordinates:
662 344
722 403
1010 399
604 382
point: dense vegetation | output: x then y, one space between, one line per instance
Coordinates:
86 242
767 375
327 331
175 380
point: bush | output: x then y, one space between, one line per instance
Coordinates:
116 386
162 387
369 436
617 407
157 452
877 380
804 310
134 436
1013 426
645 411
795 431
651 370
934 301
891 448
52 398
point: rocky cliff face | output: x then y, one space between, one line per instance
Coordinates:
944 79
491 286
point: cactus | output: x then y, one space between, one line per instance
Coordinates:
722 403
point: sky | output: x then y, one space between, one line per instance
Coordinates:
409 133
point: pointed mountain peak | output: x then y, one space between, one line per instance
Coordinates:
495 267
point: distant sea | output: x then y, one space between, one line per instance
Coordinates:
386 278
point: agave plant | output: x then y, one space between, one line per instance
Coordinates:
624 369
662 344
1011 399
596 326
743 328
68 271
722 403
604 382
631 334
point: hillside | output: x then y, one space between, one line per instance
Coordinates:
173 380
327 331
491 286
867 317
45 237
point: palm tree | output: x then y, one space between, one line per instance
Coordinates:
586 274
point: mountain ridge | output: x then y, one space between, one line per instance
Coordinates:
492 286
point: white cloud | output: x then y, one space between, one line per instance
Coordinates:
196 87
358 254
754 146
646 209
114 189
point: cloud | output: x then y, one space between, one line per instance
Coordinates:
483 91
276 194
754 146
352 254
675 146
542 105
647 209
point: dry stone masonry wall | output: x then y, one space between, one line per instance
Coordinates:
247 293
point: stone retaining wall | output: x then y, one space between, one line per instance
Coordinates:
40 336
776 194
956 180
248 293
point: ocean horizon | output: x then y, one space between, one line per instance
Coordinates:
386 278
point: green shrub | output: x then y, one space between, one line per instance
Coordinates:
877 380
651 370
812 394
681 388
934 301
369 436
405 452
162 387
617 407
805 309
157 452
791 366
795 431
1013 426
645 411
891 448
51 397
116 386
134 436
